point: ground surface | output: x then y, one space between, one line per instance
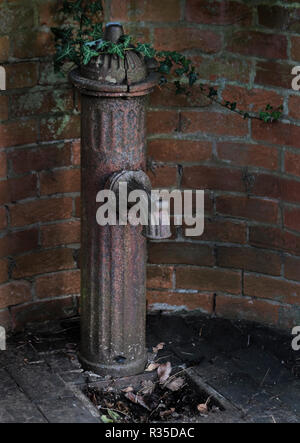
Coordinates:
252 372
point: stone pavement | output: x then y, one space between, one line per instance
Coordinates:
251 371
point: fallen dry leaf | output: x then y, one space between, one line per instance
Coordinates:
175 384
202 408
128 389
152 367
137 399
164 371
158 347
148 387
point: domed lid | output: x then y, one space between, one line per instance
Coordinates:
111 69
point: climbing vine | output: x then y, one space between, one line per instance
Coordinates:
82 40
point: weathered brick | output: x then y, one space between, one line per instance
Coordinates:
160 277
3 107
210 177
4 48
273 238
292 218
43 262
60 128
163 177
43 311
218 13
58 284
3 165
292 163
224 231
274 17
206 279
16 189
248 208
175 151
5 319
278 133
14 293
161 123
170 301
3 218
76 152
276 187
180 253
223 66
15 16
141 10
40 211
33 44
258 44
294 105
77 207
274 74
38 159
214 123
241 308
249 259
18 133
292 268
244 154
272 288
60 234
166 96
61 181
47 12
4 271
187 38
295 51
19 242
21 75
252 99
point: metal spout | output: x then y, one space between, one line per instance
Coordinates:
158 227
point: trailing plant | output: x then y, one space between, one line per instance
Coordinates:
82 40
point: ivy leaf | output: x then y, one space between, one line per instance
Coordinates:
212 92
116 49
193 76
146 50
233 106
88 54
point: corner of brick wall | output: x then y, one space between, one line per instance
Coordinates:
246 265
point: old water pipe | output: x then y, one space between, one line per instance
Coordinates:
113 258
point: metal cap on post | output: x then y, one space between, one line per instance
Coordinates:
113 258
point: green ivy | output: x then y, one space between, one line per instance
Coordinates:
80 43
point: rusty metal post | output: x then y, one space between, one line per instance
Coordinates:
113 258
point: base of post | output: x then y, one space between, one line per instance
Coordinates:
116 370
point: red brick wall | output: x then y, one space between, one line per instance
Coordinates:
246 265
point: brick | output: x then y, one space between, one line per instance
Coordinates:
166 96
244 154
292 268
175 151
161 123
249 208
76 151
21 75
41 102
249 259
295 51
4 48
3 218
273 238
252 99
273 17
164 176
77 207
48 76
60 234
141 10
210 177
224 231
206 279
159 277
18 133
5 319
216 13
19 242
58 284
274 74
3 271
16 189
15 16
60 128
14 293
40 211
187 39
61 181
180 253
277 133
43 311
225 66
33 44
292 218
47 13
43 262
258 44
38 159
3 166
3 107
292 163
271 288
174 301
241 308
294 104
215 123
276 187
